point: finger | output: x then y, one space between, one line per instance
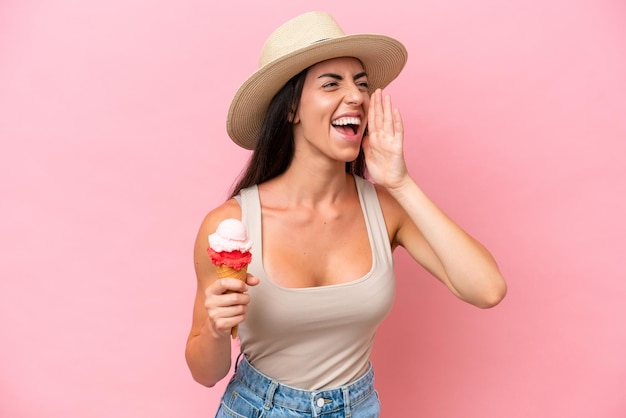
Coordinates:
227 284
371 113
229 299
378 111
388 123
398 126
235 285
234 299
228 312
225 319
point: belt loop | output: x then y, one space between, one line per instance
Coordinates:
269 395
346 401
314 406
237 361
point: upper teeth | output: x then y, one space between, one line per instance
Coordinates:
347 121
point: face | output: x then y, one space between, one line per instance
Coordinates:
332 113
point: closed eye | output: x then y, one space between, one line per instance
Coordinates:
360 80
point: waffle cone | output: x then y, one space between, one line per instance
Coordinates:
241 274
225 271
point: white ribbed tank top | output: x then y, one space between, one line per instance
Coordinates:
318 337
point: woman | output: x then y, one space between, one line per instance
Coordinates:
321 279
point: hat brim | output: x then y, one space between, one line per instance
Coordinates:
382 57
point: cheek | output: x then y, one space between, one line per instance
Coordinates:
318 112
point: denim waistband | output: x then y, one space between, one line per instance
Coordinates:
318 402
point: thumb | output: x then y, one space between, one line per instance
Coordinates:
252 280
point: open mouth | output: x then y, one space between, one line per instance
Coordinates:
347 125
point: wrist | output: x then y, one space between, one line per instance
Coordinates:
400 187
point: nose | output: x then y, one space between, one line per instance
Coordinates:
354 95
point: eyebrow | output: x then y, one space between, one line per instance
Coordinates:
338 77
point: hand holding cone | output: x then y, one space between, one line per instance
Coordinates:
229 250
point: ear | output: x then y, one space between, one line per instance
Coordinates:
294 118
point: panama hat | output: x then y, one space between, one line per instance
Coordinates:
301 42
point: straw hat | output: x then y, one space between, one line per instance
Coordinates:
297 44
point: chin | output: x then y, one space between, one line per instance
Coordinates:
349 157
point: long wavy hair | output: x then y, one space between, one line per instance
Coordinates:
275 146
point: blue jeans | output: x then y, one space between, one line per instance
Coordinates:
251 394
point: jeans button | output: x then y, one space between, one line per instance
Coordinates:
320 402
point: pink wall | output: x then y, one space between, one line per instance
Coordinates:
113 148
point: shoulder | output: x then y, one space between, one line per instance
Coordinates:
228 209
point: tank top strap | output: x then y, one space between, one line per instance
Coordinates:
375 220
250 206
251 218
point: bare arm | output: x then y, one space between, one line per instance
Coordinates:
458 260
428 234
208 349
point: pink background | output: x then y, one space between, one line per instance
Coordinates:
112 122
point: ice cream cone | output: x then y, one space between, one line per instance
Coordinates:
225 271
241 274
229 250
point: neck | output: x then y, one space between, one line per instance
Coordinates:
314 184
